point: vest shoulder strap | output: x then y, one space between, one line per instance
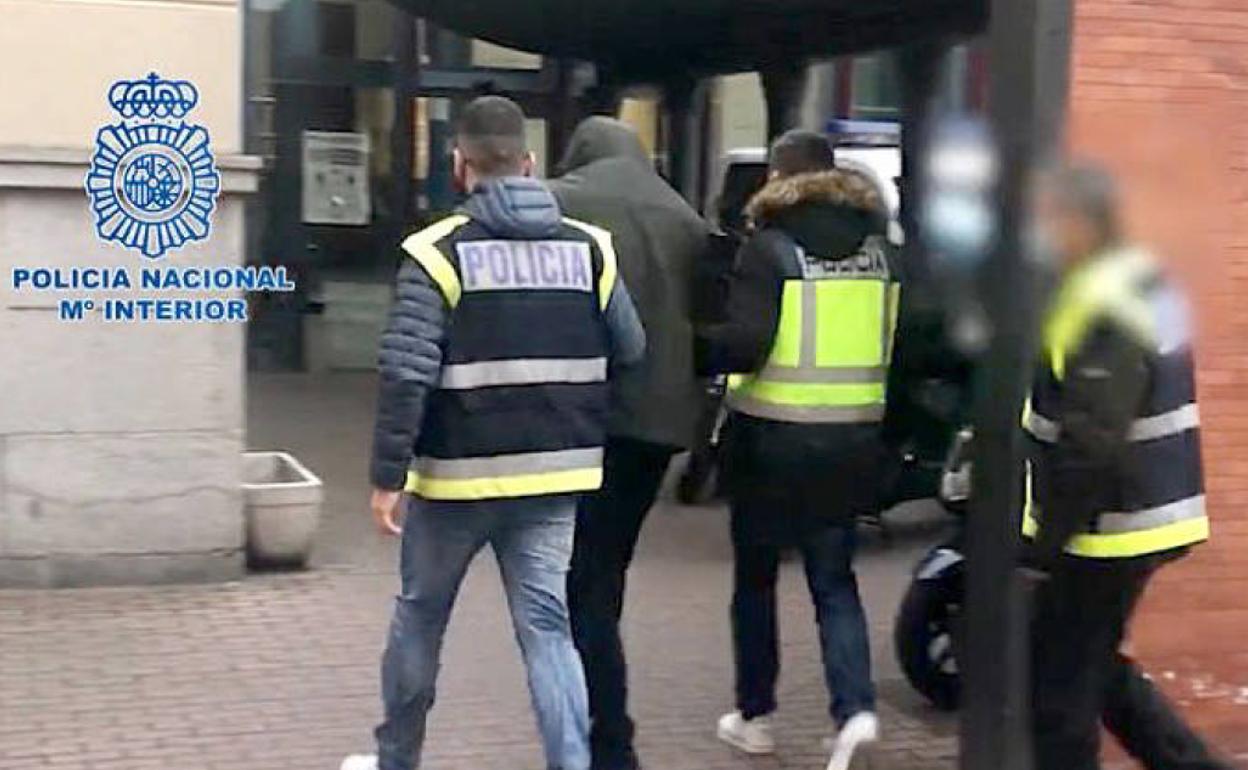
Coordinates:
606 247
422 247
1113 291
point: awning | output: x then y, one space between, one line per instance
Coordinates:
654 39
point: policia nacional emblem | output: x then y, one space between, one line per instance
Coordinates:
153 182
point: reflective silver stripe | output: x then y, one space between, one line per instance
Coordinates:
826 375
808 414
1173 423
810 324
523 371
1042 428
509 465
886 331
1151 518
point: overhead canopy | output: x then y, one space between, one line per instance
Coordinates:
655 39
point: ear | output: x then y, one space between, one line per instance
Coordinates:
459 170
528 166
773 175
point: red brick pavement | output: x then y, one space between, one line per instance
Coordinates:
279 673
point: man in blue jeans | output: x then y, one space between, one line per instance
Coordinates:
491 415
808 332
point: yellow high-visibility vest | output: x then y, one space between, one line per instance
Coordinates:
1161 485
834 341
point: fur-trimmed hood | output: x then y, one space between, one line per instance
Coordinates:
828 213
836 187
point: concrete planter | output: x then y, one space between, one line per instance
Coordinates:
283 504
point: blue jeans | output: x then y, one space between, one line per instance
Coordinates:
828 553
532 540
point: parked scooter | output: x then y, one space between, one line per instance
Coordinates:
926 632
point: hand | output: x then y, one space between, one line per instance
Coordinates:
1034 576
1032 565
386 511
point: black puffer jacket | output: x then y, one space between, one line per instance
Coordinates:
830 215
609 181
410 360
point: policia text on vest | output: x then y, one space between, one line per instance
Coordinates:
520 408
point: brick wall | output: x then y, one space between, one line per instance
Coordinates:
1160 93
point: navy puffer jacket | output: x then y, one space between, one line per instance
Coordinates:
409 363
410 360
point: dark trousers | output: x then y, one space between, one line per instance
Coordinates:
827 551
608 525
1081 680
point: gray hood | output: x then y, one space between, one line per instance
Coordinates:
659 239
600 138
515 207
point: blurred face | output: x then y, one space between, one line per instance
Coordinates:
1070 234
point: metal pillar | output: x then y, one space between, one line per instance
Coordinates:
685 101
564 114
784 86
920 66
844 104
278 319
403 133
295 38
1029 67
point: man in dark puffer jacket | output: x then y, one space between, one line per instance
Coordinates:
492 415
809 327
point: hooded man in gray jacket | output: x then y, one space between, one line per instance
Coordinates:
609 181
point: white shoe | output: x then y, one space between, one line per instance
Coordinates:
860 732
359 762
753 736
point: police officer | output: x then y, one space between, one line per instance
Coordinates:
492 404
1115 481
809 331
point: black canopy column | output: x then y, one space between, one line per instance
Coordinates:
784 85
685 103
921 66
1029 66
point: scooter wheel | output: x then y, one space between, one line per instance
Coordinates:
924 639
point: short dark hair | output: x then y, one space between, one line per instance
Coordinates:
801 151
1088 189
491 135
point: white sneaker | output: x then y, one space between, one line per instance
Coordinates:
860 732
753 736
359 762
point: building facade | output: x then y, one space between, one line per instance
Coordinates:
119 443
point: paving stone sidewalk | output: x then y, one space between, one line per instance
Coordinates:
279 672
